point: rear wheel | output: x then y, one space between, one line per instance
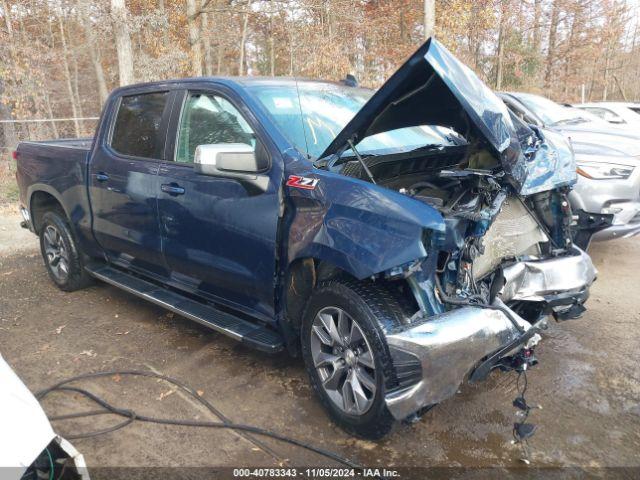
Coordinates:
346 355
60 253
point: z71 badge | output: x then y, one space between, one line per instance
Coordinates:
302 182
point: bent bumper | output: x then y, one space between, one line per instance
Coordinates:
538 280
450 345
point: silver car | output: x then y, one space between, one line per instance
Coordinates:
608 190
617 113
606 198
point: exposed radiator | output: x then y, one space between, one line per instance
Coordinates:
514 232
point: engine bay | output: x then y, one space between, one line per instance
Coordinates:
488 224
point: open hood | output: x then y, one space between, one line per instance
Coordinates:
435 88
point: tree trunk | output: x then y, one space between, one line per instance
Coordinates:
94 53
123 42
206 41
624 96
76 90
10 139
194 38
537 26
605 77
165 30
243 41
54 127
220 52
67 76
501 41
272 52
551 52
429 18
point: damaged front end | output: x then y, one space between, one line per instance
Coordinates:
504 261
485 289
474 333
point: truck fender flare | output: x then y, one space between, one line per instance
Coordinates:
42 187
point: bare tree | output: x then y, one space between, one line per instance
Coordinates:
67 76
551 48
501 41
193 15
429 18
243 40
94 50
123 42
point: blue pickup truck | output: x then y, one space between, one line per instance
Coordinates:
401 242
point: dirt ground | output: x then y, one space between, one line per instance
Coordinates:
588 380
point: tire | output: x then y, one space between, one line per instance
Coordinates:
60 253
374 310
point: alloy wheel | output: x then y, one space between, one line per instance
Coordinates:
55 252
344 360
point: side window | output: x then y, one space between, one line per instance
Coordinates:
613 117
137 127
209 119
521 114
600 112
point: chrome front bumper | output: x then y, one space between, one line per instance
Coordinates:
535 280
450 345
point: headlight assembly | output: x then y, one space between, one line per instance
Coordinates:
604 171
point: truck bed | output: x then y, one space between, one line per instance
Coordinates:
58 169
76 143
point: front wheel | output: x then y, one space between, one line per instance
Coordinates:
346 355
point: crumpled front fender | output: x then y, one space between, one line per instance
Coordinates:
357 226
552 166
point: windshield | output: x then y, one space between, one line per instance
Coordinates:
324 109
553 113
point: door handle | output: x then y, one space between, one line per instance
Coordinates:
172 189
102 177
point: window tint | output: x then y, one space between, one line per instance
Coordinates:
137 128
210 119
600 112
605 114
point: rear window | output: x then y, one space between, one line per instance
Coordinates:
137 128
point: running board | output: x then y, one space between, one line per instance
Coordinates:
253 335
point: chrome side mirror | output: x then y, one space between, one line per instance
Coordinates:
233 160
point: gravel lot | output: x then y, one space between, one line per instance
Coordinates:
588 380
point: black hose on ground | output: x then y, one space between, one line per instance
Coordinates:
132 416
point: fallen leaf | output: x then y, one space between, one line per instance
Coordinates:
365 445
200 393
116 378
165 394
59 329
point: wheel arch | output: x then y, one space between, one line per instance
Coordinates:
304 274
42 199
